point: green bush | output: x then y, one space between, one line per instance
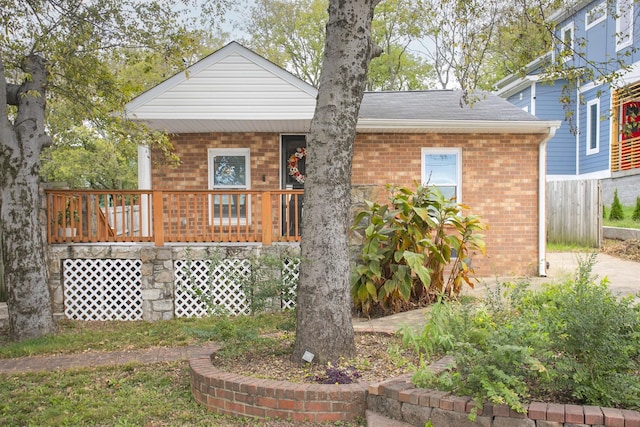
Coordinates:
636 211
616 213
573 342
407 246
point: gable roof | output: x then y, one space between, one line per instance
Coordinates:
231 90
236 90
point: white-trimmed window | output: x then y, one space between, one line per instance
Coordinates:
624 23
593 126
442 168
567 41
230 169
596 14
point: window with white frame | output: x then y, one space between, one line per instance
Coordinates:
442 168
229 169
624 23
593 126
596 14
566 41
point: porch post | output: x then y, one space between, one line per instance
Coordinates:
158 221
267 224
144 183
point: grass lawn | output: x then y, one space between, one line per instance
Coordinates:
130 395
150 395
627 222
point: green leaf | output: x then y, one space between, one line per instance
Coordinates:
371 289
375 268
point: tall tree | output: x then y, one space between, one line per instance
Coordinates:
459 34
523 36
291 33
397 26
84 154
51 51
323 307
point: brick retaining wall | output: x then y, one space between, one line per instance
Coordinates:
233 394
402 401
398 398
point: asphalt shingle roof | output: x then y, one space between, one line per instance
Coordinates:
439 105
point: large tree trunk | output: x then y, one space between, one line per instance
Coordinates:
23 246
324 325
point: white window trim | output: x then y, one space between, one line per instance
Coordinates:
571 46
599 7
627 8
215 152
458 153
595 150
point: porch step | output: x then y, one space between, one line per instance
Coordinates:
376 420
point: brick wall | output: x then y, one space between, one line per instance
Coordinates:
192 173
500 180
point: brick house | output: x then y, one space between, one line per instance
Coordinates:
236 121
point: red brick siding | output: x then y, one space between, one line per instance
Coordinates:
192 173
500 180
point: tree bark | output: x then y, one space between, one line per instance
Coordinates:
23 246
324 326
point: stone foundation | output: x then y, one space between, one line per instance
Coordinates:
157 268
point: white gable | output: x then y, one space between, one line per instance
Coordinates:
231 90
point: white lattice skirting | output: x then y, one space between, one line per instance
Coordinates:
203 288
110 289
102 289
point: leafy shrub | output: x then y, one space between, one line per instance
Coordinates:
636 211
573 342
616 213
407 246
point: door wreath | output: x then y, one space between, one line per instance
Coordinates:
292 164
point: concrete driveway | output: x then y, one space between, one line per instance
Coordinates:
624 276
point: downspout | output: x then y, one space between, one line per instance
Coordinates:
542 202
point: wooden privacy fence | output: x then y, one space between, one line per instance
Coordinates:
574 212
92 216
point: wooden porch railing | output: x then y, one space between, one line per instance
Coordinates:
92 216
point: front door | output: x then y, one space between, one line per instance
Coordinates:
293 161
293 176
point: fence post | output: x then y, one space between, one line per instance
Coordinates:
267 218
158 218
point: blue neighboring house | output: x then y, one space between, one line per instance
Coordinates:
600 135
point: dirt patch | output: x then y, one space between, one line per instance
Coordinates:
624 249
378 357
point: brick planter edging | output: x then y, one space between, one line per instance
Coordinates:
233 394
399 399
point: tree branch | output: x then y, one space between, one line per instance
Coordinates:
12 94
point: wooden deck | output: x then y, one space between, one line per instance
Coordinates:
93 216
